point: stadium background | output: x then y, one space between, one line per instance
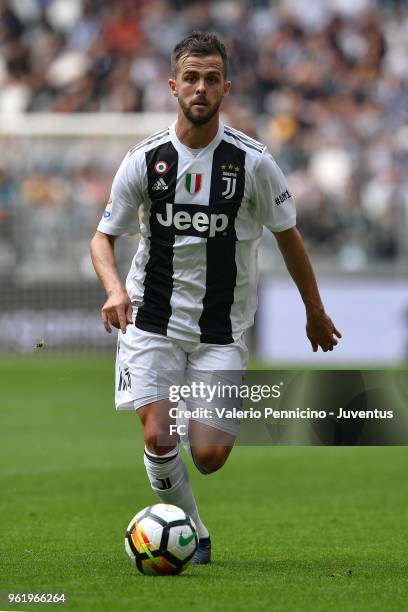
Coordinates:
325 85
326 89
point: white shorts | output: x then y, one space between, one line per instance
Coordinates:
147 364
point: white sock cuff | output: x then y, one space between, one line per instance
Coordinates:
169 455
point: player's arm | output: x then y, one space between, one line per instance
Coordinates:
278 213
117 310
319 327
120 218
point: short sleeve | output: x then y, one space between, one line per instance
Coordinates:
121 215
275 204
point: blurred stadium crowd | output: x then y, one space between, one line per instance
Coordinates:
324 84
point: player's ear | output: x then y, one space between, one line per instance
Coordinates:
173 87
227 87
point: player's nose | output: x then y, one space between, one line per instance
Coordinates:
200 86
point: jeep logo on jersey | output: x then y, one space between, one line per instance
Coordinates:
194 223
192 182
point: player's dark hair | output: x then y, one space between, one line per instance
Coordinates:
199 43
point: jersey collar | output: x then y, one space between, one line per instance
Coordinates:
186 151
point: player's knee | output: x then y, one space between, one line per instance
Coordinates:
209 459
157 438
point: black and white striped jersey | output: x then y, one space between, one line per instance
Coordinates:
200 215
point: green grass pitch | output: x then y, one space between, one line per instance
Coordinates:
293 528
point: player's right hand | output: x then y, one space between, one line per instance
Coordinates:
117 311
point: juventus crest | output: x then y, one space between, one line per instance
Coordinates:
229 175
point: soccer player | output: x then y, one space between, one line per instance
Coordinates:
199 194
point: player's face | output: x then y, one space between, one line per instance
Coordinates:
200 87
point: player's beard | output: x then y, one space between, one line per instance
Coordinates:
203 119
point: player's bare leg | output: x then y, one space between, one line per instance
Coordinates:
165 467
210 447
156 423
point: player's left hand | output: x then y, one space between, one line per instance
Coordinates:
321 331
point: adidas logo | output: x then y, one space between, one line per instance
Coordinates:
160 185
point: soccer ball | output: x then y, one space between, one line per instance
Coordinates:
161 540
